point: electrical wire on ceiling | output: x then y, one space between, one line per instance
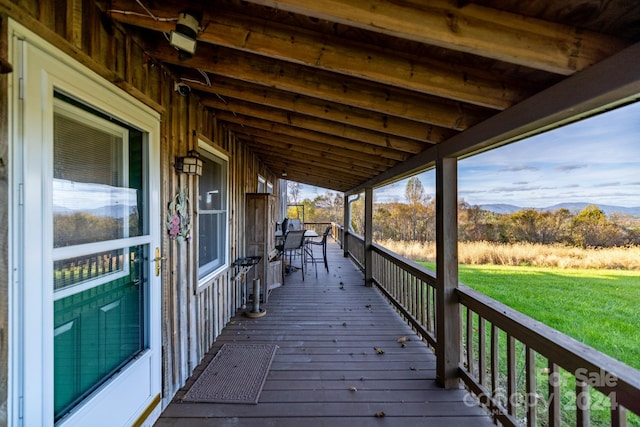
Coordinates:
147 10
204 74
129 12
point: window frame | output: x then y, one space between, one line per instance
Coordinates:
209 152
262 184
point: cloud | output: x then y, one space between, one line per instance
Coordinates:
569 168
608 184
514 189
520 168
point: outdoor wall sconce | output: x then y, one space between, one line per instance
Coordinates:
189 164
183 37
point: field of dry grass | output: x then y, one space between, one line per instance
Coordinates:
528 254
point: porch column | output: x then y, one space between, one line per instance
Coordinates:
368 236
448 314
345 226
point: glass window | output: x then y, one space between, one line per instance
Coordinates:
212 213
261 184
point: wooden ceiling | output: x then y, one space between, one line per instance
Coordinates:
336 92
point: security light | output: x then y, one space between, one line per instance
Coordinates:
183 37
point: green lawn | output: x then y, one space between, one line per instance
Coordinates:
598 307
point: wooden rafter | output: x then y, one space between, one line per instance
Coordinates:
327 110
319 125
422 75
302 146
471 28
309 135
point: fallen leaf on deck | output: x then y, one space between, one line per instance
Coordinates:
380 414
352 388
402 339
378 350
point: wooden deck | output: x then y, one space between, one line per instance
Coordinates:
327 371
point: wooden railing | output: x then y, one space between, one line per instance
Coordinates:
318 227
527 372
410 288
523 371
338 233
355 245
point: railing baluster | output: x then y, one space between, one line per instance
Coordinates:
482 351
495 367
469 341
429 310
554 395
531 394
618 415
511 376
583 418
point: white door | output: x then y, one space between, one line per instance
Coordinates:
86 295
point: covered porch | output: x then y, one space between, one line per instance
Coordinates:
327 370
344 95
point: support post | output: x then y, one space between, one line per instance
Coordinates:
448 315
368 236
345 230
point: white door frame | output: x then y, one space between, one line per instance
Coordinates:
39 68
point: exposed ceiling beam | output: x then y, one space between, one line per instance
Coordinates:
268 39
471 28
304 134
306 158
273 146
286 142
323 85
229 88
319 125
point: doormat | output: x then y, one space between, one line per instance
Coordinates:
236 374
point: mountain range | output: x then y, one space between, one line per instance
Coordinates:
574 208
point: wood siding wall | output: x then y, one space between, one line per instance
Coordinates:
4 225
193 315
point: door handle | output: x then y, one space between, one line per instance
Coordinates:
158 260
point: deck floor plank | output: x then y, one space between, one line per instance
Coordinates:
338 362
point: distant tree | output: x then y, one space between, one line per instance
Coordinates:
357 216
420 215
293 192
414 191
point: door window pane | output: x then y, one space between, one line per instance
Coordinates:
92 198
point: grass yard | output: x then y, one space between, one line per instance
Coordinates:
599 308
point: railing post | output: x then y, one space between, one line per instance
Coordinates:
368 236
448 315
345 228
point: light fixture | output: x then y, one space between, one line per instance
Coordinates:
183 37
284 174
189 164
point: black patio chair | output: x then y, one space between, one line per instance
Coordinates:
322 243
292 247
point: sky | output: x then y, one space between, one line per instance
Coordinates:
596 160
